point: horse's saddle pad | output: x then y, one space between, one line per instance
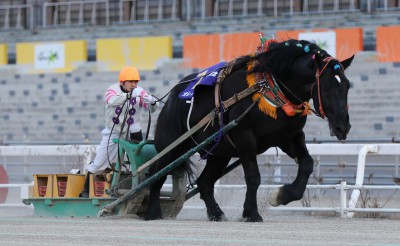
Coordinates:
206 77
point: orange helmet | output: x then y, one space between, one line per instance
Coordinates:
128 73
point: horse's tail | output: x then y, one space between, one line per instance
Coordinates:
188 170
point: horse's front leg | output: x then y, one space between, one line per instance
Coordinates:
253 180
290 192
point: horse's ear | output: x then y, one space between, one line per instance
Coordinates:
346 63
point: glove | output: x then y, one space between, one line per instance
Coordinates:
149 99
136 93
132 94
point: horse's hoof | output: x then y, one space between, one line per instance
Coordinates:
152 217
274 198
217 218
256 218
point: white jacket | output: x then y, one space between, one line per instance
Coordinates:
115 97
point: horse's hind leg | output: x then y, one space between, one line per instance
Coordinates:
153 211
212 172
253 180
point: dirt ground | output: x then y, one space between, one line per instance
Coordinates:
18 226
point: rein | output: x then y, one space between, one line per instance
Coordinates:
112 165
187 81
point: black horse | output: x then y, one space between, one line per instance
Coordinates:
282 79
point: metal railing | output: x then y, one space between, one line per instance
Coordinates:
132 14
322 6
55 10
343 208
130 11
18 18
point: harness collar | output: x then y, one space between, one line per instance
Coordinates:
273 96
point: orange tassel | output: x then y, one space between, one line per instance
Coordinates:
289 110
263 105
267 108
307 109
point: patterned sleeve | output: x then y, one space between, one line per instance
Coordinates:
114 98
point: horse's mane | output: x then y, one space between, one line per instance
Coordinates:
279 56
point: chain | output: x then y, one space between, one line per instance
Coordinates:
113 189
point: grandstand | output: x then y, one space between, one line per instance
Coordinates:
54 106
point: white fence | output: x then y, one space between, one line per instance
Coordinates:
24 193
83 152
345 208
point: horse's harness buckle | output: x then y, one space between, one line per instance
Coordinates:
262 86
224 109
220 110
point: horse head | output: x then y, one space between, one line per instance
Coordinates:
330 93
303 70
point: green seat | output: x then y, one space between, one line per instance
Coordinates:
137 153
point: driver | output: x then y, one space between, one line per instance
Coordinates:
123 99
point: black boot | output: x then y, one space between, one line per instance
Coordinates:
136 137
85 191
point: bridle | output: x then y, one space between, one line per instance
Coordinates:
273 93
318 74
280 98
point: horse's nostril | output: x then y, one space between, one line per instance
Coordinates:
339 129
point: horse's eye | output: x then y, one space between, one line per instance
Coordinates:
338 78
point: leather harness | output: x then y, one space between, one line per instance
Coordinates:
224 105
